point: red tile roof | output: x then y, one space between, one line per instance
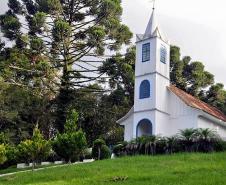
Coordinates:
196 103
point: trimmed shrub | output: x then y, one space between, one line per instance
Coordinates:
100 150
105 152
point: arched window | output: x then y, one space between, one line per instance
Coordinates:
145 89
163 54
144 128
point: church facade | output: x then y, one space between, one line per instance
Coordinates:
159 107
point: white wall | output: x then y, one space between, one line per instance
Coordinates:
162 68
206 123
147 103
128 128
162 94
148 66
162 124
181 115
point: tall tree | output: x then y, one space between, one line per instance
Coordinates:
64 36
216 96
187 75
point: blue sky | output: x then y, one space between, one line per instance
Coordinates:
198 27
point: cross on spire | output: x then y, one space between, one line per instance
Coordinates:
153 4
153 1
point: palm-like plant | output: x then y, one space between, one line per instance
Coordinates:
205 139
171 143
131 147
150 146
188 137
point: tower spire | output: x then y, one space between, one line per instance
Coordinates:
152 24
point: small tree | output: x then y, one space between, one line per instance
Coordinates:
100 150
71 144
37 148
3 157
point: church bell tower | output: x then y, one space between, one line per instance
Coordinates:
151 80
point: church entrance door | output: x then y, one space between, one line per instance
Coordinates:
144 128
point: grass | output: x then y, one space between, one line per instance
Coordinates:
13 169
178 169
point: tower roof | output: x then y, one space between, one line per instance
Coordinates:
152 25
152 29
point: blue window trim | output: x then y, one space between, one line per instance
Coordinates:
145 89
163 54
146 52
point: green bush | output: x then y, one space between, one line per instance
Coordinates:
35 149
105 152
12 154
220 146
71 144
3 157
100 151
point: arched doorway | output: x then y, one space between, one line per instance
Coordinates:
144 128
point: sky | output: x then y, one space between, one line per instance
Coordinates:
198 27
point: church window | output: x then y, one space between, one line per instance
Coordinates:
146 52
145 89
163 54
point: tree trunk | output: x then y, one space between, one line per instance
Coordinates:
98 153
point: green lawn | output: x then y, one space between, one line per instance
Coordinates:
13 169
196 169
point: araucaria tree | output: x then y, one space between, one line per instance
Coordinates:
59 41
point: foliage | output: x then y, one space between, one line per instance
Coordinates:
71 144
20 110
60 36
12 155
98 113
188 140
191 77
3 156
4 139
187 75
100 150
35 149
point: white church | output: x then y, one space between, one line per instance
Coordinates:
159 107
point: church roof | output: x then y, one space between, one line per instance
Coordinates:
196 103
